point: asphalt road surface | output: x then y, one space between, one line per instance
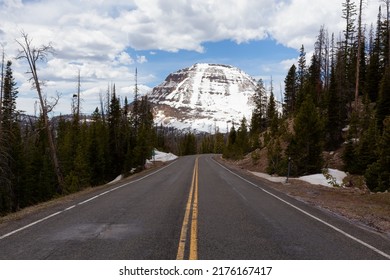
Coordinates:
193 208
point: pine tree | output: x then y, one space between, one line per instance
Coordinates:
188 144
98 154
258 121
366 150
313 84
383 104
219 143
146 136
10 145
206 146
66 144
349 13
39 178
360 62
378 174
333 123
9 97
135 111
302 74
386 37
305 148
291 88
242 140
114 130
79 177
272 115
301 68
232 136
349 52
276 162
232 149
375 68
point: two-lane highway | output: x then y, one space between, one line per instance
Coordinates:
193 208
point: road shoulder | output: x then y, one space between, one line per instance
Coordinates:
369 210
46 208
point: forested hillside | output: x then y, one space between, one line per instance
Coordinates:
338 99
116 139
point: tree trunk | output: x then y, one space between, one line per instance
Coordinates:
1 92
358 56
32 55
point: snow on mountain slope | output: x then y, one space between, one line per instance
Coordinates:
204 97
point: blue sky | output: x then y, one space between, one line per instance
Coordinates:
107 40
257 58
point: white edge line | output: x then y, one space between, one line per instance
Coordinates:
30 225
81 203
310 215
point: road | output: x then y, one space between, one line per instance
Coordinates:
193 208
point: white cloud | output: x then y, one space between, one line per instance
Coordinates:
286 64
124 58
105 28
141 59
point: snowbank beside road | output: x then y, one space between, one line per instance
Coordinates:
320 179
337 177
161 156
158 156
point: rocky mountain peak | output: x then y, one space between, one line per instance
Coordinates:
204 97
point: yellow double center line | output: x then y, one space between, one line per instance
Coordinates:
192 204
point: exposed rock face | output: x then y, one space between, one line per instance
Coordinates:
204 97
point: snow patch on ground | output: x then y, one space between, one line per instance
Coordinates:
158 156
319 179
315 179
117 179
164 157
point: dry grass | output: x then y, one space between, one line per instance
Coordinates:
370 209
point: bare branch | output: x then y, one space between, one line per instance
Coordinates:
31 53
54 101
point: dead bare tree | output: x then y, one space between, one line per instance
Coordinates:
32 55
78 95
357 83
1 89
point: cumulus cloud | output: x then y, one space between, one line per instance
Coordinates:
95 28
124 58
174 25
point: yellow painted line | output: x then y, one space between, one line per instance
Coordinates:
186 220
194 223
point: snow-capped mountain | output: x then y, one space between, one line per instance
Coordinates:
204 97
